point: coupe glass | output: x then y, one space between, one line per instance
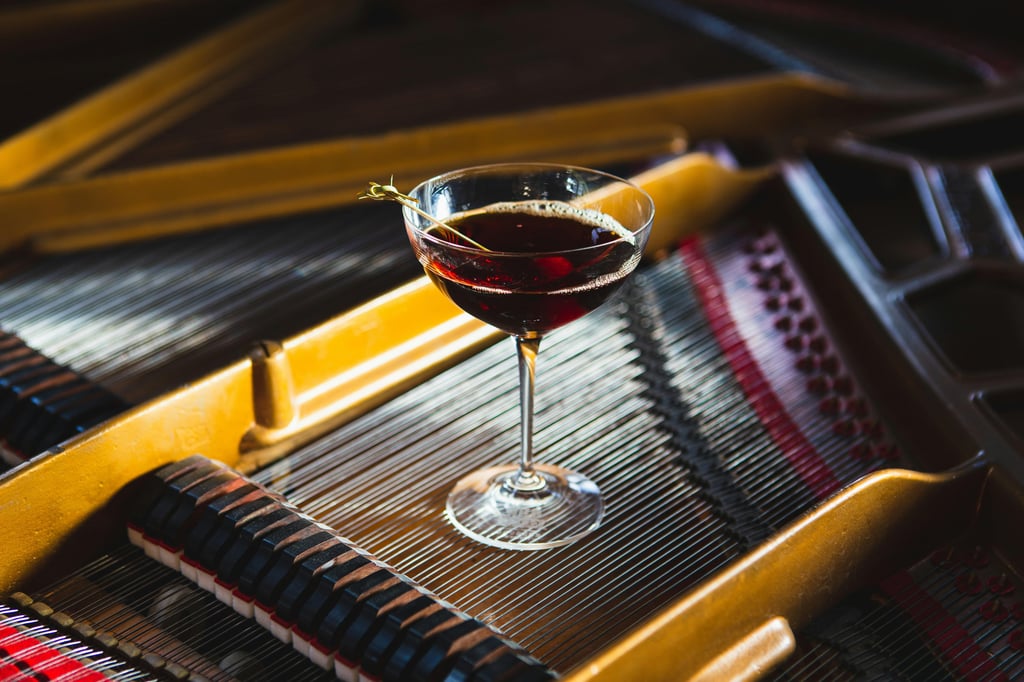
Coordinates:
532 247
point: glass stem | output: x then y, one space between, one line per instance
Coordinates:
527 478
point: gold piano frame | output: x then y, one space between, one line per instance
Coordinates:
65 506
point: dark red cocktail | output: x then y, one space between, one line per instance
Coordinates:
527 248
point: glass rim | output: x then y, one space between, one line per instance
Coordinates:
536 165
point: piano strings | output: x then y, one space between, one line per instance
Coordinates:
139 319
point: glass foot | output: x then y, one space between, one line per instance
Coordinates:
555 508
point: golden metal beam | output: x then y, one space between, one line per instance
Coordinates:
228 190
192 75
740 623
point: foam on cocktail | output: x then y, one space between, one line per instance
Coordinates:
561 209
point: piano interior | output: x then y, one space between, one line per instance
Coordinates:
232 406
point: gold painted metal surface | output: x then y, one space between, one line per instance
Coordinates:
866 530
58 505
190 72
214 192
730 624
692 193
273 388
358 360
752 655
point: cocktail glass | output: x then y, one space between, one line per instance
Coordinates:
528 248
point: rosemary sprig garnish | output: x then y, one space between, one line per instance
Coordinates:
389 192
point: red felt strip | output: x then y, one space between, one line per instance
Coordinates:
801 455
38 657
958 648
